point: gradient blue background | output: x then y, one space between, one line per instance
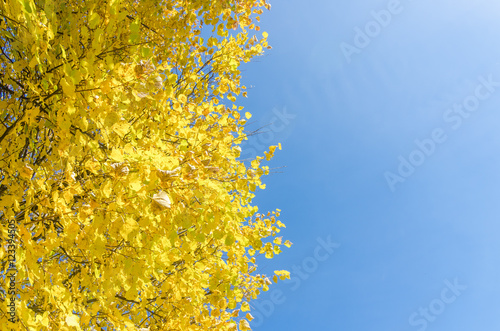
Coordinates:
352 122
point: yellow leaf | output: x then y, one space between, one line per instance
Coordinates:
94 20
117 155
106 189
68 87
282 274
121 128
135 184
244 326
162 199
26 172
182 98
129 226
71 109
68 196
73 320
245 306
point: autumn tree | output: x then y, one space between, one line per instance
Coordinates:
123 202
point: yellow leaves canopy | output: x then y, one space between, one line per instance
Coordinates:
122 198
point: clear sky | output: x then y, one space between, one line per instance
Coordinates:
389 116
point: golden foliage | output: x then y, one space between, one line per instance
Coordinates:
121 194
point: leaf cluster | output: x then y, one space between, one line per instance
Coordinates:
119 164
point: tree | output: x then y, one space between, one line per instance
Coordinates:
123 204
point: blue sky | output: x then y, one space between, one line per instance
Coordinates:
422 253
